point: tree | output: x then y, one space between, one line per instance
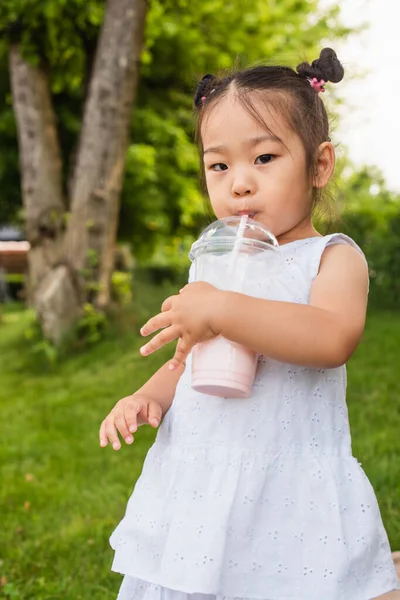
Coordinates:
161 204
72 238
10 194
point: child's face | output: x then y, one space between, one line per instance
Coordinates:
248 171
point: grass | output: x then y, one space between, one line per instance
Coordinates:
61 495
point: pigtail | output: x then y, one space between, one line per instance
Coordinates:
204 88
327 67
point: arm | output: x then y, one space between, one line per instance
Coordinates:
148 405
161 386
324 333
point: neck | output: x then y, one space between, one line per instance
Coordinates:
303 230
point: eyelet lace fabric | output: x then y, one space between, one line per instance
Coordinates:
257 498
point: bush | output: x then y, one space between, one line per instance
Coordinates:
377 231
121 287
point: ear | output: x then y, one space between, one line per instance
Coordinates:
324 165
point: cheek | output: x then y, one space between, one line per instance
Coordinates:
214 184
295 188
210 183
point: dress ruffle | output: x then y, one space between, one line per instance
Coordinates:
236 524
136 589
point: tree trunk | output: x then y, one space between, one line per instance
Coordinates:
69 269
103 143
41 169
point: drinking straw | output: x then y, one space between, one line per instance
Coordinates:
237 246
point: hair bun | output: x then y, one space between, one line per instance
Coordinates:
203 88
326 67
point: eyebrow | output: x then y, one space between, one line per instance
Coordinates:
252 142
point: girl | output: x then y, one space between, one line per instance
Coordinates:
258 498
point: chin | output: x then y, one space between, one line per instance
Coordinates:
263 220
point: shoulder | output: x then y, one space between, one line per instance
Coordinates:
316 254
342 277
341 252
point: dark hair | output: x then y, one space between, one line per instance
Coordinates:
283 89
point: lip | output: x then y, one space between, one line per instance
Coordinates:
249 213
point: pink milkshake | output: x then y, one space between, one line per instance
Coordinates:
223 368
230 254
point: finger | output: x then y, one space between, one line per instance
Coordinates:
154 414
167 304
122 427
111 432
132 410
166 336
142 417
103 435
160 321
182 351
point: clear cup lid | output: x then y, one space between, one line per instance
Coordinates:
222 234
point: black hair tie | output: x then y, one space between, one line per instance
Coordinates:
204 88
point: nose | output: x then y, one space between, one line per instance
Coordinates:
242 184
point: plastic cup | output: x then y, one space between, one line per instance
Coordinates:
223 368
229 254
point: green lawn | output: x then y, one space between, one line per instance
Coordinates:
61 495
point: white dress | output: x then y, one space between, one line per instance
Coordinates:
257 498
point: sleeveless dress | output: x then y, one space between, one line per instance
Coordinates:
257 498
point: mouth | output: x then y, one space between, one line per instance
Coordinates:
250 214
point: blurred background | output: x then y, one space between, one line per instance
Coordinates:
99 204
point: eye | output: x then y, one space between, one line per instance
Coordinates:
218 167
264 159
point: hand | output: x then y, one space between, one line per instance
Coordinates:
126 416
191 317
